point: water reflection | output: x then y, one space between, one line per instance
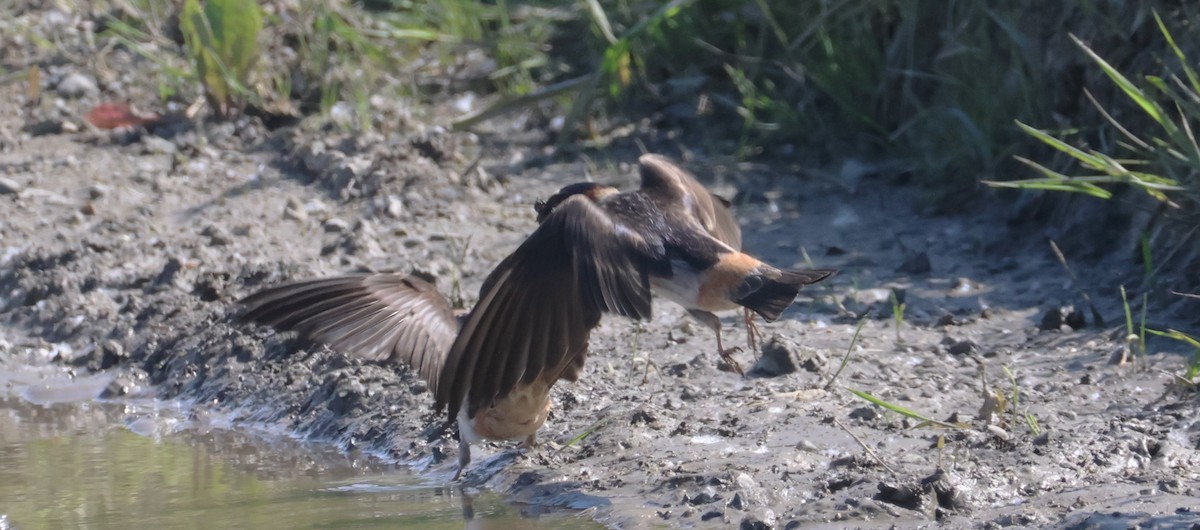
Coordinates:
79 465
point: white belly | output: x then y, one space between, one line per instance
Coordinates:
683 288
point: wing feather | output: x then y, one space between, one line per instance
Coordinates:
712 212
539 306
370 316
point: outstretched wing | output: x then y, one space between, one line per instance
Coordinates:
371 316
710 211
538 307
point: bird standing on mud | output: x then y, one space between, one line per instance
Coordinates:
596 250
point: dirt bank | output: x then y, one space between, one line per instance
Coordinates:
124 252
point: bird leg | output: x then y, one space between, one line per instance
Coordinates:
464 456
529 443
468 503
751 329
714 323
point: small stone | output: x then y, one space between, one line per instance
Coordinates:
1052 319
9 186
806 445
44 127
864 413
448 194
776 359
1076 319
964 286
737 503
157 145
916 264
318 160
333 224
701 498
216 235
643 417
316 207
751 523
999 432
962 347
77 85
395 206
97 191
294 210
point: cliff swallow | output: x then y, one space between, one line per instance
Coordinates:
716 217
596 250
698 263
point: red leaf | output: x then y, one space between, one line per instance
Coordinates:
113 115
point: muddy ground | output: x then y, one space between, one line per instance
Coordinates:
126 251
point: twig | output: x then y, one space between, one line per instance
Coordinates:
1082 291
864 446
510 104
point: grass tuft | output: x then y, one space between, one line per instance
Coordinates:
222 42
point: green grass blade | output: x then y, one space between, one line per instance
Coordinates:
1055 181
1176 335
1193 79
1088 159
1133 92
901 410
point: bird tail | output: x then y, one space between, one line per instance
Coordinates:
776 294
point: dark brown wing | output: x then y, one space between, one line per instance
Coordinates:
723 226
710 211
540 304
370 316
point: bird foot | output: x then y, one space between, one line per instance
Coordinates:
528 443
727 356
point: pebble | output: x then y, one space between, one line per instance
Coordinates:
395 206
333 224
216 235
998 432
77 85
294 210
1052 319
9 186
962 347
158 145
916 264
776 359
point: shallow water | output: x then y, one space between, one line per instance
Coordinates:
66 463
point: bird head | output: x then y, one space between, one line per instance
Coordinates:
593 191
